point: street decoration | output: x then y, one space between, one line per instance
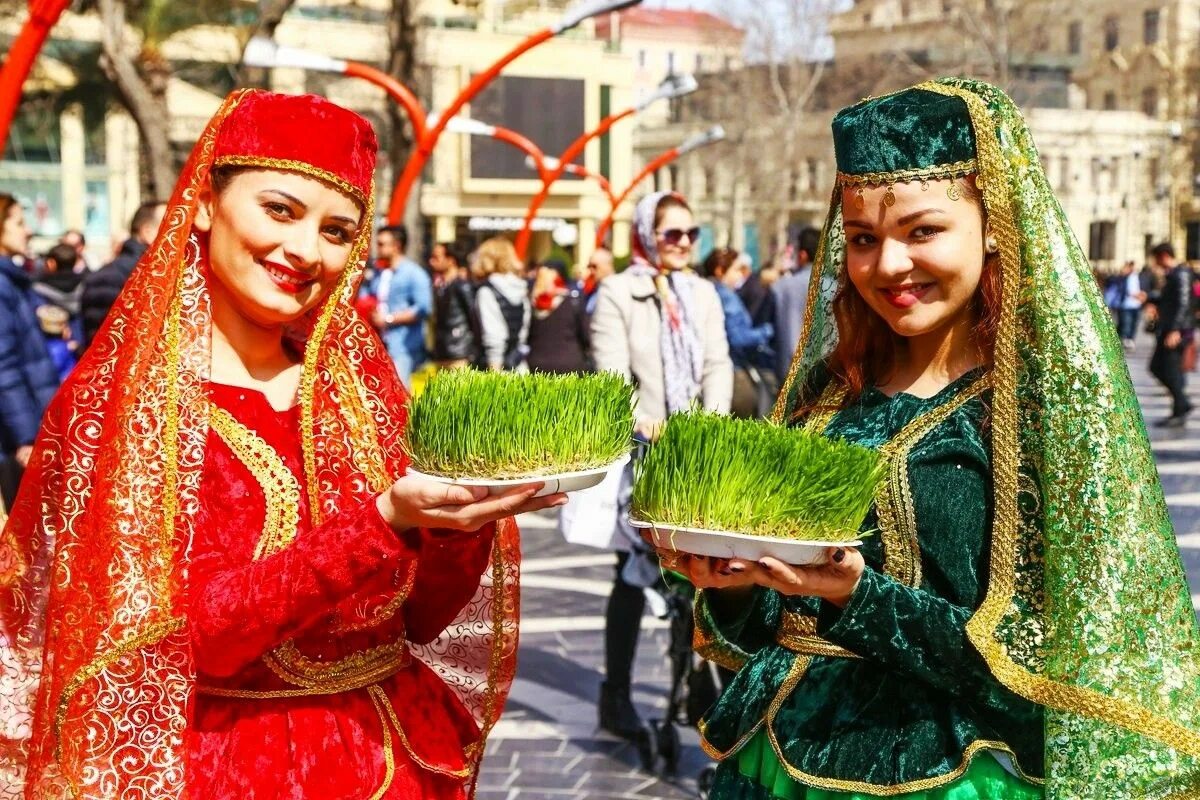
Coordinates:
43 15
427 128
714 134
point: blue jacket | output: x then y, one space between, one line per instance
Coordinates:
408 287
28 377
748 344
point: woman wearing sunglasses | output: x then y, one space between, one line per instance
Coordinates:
661 325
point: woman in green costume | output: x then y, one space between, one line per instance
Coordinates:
1019 624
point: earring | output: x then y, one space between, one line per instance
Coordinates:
952 191
889 197
990 245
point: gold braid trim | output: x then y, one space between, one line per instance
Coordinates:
708 641
281 490
382 700
1006 456
955 169
288 165
798 633
779 412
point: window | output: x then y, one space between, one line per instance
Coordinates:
641 58
1150 101
1102 241
658 180
1075 38
905 9
1150 26
699 62
1112 33
1110 101
814 175
673 175
1064 173
1192 246
793 184
670 62
1153 170
710 182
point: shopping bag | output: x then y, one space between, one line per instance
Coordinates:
590 516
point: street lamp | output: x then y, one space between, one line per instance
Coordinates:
577 170
672 86
425 133
711 136
473 127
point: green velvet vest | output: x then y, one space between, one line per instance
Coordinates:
887 695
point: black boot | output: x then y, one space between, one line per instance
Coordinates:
617 714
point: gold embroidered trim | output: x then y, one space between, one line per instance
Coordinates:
798 633
152 635
708 642
280 489
355 671
289 165
955 169
383 700
389 756
893 499
1006 456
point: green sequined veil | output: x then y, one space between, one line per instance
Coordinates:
1087 610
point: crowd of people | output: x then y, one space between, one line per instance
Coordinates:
220 580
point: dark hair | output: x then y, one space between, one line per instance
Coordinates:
399 231
76 232
556 264
64 256
458 250
1165 249
666 204
144 215
7 201
719 259
808 240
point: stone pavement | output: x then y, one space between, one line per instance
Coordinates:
547 745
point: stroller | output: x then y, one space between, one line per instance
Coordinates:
695 683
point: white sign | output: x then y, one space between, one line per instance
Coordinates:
513 223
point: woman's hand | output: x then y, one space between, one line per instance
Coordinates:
413 502
705 572
833 581
647 429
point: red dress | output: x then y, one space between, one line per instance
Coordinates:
290 704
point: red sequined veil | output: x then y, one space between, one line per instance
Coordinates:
96 671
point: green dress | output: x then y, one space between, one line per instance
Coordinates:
886 696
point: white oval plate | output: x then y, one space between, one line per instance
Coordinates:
561 482
725 544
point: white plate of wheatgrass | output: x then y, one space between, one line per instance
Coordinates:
503 429
732 488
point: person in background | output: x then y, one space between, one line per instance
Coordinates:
404 300
754 383
791 298
1175 330
599 267
661 326
1130 299
56 331
755 291
503 305
75 239
455 327
102 287
558 329
28 378
58 284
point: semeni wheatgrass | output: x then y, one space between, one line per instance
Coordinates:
749 476
471 424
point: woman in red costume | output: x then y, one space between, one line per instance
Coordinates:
213 584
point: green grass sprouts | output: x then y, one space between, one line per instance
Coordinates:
471 424
748 476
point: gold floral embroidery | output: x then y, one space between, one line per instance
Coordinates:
955 169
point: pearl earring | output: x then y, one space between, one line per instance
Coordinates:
990 245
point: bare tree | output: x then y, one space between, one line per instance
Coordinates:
270 14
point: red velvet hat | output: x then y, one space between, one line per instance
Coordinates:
300 133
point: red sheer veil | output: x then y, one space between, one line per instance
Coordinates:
96 672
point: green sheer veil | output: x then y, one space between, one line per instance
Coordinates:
1087 609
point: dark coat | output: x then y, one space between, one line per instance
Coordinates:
455 328
28 378
1175 302
101 288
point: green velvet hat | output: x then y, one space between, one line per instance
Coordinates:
915 134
